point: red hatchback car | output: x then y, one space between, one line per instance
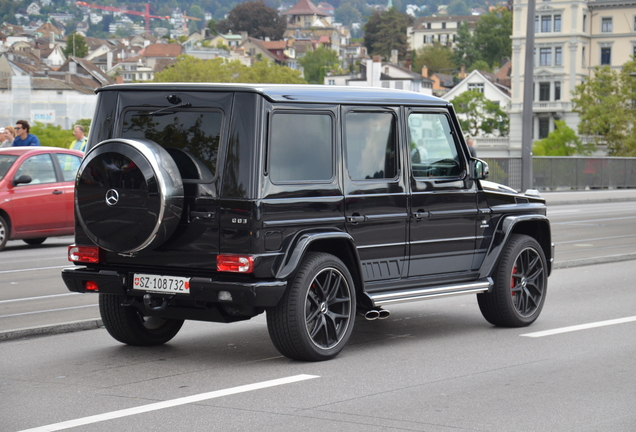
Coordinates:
37 193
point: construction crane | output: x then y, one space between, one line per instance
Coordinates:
185 22
146 14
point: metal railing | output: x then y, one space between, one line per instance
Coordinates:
567 173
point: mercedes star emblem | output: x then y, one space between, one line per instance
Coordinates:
112 197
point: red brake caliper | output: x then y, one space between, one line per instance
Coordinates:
512 280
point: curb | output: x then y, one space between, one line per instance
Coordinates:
68 327
593 261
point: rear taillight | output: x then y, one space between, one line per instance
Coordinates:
91 286
235 263
84 254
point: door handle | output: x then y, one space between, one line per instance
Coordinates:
57 192
356 218
421 214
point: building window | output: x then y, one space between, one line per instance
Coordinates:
398 85
443 25
546 23
558 56
545 55
428 26
544 91
476 86
583 62
544 127
424 39
606 56
557 90
557 23
606 25
385 84
331 82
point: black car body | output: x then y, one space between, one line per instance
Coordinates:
219 202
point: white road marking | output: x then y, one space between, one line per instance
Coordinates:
169 403
38 297
48 310
32 269
580 327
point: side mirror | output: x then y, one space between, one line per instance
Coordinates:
23 179
479 169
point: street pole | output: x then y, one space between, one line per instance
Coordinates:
528 84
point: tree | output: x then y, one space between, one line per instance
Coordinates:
386 31
605 104
192 69
436 57
76 46
255 18
347 14
212 28
492 36
464 52
480 116
315 64
562 141
458 8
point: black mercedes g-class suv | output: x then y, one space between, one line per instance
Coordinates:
219 202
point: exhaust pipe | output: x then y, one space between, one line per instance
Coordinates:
384 314
371 315
375 314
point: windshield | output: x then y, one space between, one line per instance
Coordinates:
5 163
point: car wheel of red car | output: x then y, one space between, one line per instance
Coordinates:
34 241
4 232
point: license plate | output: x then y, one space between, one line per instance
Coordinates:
161 284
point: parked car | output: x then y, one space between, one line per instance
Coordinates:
37 193
220 202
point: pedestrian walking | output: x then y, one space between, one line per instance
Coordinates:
23 137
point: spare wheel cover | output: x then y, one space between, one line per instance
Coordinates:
128 195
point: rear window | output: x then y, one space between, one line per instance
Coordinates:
5 163
183 133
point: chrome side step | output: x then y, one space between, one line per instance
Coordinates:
433 292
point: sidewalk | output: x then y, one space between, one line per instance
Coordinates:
589 197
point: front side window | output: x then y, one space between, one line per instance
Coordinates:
370 143
6 161
432 148
184 134
39 168
606 25
301 147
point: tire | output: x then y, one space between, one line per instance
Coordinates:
4 232
34 241
129 195
128 325
520 285
314 319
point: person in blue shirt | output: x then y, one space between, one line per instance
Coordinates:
23 137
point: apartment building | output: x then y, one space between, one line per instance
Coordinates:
437 29
571 38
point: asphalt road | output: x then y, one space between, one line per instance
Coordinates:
589 228
432 366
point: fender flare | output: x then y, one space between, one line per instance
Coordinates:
286 263
501 236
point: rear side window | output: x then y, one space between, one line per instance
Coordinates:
70 164
188 133
301 147
370 145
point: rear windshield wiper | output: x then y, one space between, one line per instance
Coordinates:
165 110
